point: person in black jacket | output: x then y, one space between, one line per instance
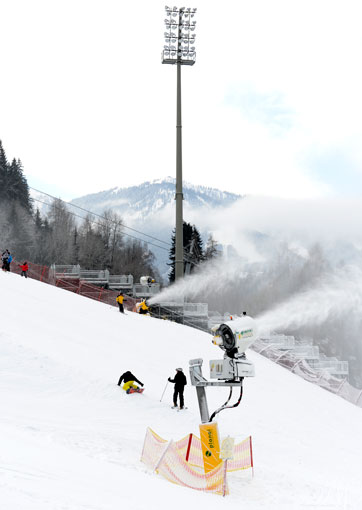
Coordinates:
180 382
128 378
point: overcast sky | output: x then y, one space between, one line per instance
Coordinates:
271 107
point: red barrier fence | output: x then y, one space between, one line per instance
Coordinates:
44 274
36 272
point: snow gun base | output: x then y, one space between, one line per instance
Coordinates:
228 372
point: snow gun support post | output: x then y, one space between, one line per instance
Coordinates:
233 337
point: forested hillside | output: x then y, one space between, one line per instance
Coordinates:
58 236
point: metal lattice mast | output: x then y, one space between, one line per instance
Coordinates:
179 50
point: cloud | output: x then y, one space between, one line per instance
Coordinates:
266 108
302 221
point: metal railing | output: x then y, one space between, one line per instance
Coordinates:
96 276
196 309
323 377
280 341
146 290
67 271
335 367
307 352
124 281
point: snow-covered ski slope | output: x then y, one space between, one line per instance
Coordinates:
72 439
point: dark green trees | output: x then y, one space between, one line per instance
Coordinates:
13 185
193 250
16 221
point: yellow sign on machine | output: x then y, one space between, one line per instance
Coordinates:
210 444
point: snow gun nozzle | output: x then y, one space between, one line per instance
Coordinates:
235 336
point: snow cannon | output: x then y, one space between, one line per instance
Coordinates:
235 336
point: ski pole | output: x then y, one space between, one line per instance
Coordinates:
163 392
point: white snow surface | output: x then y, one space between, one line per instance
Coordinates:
72 439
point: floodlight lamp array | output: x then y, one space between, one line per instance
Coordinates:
179 37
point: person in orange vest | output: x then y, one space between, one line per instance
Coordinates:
24 269
120 299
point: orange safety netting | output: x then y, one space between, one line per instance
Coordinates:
242 456
165 458
175 469
181 462
242 453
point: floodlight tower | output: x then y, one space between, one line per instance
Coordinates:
179 50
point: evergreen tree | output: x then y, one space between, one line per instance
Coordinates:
193 250
3 160
196 246
38 220
3 173
16 221
13 185
19 185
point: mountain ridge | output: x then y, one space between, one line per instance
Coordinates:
139 202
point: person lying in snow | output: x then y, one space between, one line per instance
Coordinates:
128 379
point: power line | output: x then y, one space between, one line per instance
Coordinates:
95 214
186 257
98 223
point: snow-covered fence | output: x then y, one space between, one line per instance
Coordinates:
320 376
181 462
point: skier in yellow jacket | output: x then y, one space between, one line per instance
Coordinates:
120 299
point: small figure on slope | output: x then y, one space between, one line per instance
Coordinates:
5 256
180 382
129 386
120 299
24 269
142 307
